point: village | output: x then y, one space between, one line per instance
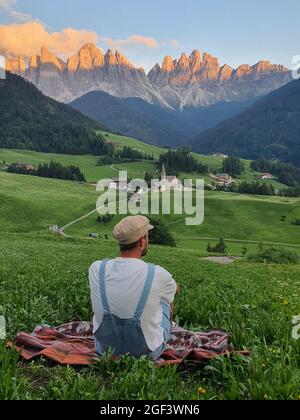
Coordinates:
163 184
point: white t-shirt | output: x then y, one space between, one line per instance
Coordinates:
125 279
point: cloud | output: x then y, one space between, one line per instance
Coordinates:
174 43
20 17
26 39
132 40
7 4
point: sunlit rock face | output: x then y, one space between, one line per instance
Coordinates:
190 81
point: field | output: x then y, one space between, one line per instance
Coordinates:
30 204
44 280
92 172
87 164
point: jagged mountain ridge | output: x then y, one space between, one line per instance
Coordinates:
193 81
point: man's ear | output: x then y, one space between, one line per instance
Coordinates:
142 241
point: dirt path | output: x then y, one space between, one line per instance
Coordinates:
222 260
242 241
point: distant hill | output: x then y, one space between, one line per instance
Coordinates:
30 120
150 123
269 129
132 117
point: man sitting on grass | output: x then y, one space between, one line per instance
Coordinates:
132 300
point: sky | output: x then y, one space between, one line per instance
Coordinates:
235 31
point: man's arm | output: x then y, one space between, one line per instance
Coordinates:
172 306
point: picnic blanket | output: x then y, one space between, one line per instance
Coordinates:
73 344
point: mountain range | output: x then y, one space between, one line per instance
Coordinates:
194 81
170 106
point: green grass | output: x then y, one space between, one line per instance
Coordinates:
122 141
93 173
87 164
43 279
31 204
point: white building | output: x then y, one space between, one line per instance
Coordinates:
167 183
117 184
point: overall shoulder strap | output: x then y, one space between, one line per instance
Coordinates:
145 293
103 286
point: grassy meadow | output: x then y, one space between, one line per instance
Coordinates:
31 204
43 279
92 172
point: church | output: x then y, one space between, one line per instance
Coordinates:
168 183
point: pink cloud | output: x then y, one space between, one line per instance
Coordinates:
26 39
132 40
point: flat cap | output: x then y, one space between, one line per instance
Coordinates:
131 229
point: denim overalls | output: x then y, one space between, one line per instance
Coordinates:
125 336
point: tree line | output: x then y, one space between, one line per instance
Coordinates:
258 188
176 161
124 155
286 173
52 170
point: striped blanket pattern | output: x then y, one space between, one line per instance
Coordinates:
73 344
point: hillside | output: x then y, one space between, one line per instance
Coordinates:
51 272
50 287
31 204
269 129
30 120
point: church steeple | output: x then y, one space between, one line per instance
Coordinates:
163 173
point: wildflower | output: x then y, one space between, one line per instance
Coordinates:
286 302
202 390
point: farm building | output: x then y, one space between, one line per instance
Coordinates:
27 166
266 176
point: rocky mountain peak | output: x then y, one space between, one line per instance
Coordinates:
16 65
48 57
121 60
89 57
110 58
34 62
183 63
225 73
168 64
195 60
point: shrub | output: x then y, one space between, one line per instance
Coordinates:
161 235
244 251
209 248
105 219
220 248
275 256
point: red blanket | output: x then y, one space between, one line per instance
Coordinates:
73 344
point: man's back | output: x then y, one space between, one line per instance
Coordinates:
125 280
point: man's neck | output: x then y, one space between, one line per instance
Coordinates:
131 254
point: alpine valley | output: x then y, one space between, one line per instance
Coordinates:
170 105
